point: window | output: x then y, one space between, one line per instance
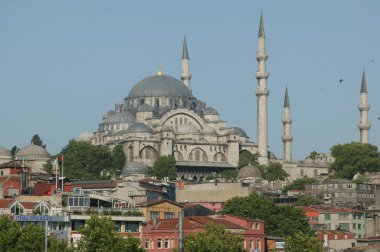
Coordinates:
315 218
147 243
169 215
130 193
343 216
75 224
118 226
257 225
154 215
327 216
258 244
251 244
166 244
353 225
159 243
131 226
359 226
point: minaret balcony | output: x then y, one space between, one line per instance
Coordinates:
185 76
262 75
261 56
262 92
287 138
287 120
363 107
364 126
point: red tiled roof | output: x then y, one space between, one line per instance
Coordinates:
341 210
219 221
29 205
5 203
152 202
308 209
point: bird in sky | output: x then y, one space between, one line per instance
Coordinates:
341 80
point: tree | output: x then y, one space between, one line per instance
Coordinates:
59 245
164 167
246 157
118 159
303 242
32 238
313 155
279 220
215 239
10 232
14 150
82 160
274 172
99 235
308 200
229 174
48 167
38 141
300 184
354 158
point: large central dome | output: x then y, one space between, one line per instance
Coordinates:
160 85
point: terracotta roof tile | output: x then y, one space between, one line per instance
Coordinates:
5 203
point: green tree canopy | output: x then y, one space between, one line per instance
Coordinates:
99 235
308 200
14 150
313 155
32 238
82 160
301 242
300 183
164 167
118 159
353 158
246 157
215 239
38 141
273 172
279 220
10 232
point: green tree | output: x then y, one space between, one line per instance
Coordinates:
215 239
313 155
118 159
353 158
48 167
229 174
82 160
300 183
308 200
38 141
59 245
274 172
164 167
279 220
32 239
246 157
14 150
300 242
10 232
99 235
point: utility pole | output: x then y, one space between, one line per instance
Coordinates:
180 231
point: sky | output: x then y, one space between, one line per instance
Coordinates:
63 64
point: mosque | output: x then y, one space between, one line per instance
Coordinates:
160 116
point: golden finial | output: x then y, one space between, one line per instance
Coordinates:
160 71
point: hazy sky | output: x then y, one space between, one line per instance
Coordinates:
64 63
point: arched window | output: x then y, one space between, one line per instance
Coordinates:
198 155
148 153
219 157
178 156
130 153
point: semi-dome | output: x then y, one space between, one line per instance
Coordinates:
188 129
32 152
238 131
163 85
85 136
124 116
167 128
209 131
249 171
134 168
4 152
139 128
210 111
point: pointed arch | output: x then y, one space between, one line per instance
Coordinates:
219 157
178 156
198 155
148 152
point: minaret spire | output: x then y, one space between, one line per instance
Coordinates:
262 93
185 75
364 126
287 137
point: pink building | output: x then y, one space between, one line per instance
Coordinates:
163 235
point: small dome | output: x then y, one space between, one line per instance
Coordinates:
4 152
163 85
209 131
188 129
134 168
238 131
124 116
249 171
210 111
166 128
139 128
145 108
32 152
85 136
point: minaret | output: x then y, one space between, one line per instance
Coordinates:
364 126
186 75
287 137
262 93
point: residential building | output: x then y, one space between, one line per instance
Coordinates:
161 209
336 239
